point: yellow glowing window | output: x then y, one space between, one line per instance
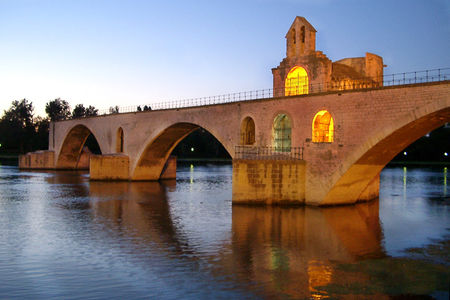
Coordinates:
322 127
296 82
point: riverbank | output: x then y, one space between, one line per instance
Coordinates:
8 156
419 163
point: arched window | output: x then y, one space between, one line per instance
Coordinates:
322 127
119 140
282 133
248 131
296 82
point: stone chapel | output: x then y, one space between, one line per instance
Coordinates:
305 70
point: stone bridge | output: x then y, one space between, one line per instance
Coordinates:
322 139
368 128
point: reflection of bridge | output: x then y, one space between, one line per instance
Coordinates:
348 131
281 250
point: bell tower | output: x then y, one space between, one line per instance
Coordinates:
304 70
300 38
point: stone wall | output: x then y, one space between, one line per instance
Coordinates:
37 160
109 167
275 182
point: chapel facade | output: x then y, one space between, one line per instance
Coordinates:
305 70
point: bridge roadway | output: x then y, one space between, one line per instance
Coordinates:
370 127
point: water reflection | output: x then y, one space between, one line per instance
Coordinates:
140 209
445 182
293 250
175 239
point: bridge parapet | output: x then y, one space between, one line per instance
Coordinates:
390 80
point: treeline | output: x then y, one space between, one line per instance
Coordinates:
21 131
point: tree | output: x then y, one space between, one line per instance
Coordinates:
57 110
91 111
79 111
21 112
16 127
41 126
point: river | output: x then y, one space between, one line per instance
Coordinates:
64 237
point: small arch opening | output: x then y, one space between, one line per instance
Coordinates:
247 131
323 127
296 82
282 133
119 140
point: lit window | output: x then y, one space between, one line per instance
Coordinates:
296 82
322 127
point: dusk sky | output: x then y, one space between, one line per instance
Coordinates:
106 52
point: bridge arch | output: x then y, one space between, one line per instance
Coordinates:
72 147
360 178
153 157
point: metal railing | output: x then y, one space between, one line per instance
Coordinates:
332 86
268 153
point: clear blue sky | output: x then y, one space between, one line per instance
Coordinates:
108 52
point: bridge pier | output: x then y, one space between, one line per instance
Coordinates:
40 160
109 167
268 182
116 166
285 182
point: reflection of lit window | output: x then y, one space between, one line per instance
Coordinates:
282 133
445 182
319 275
322 127
296 82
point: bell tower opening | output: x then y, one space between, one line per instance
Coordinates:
300 39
